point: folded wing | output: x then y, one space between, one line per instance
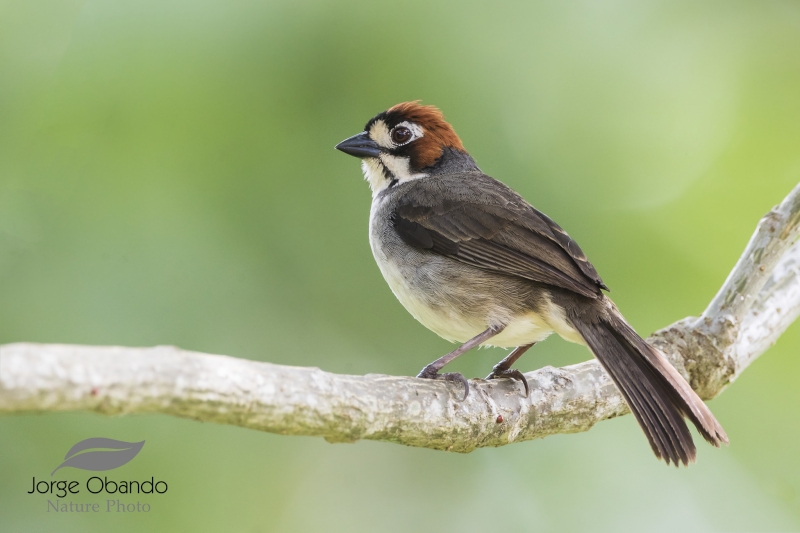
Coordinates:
483 223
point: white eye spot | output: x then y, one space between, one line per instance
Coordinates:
379 132
405 132
389 169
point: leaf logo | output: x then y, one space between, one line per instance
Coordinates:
105 459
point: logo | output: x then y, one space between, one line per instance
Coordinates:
98 461
99 454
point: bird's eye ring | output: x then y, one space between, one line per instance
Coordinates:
401 135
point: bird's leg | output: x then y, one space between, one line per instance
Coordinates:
432 370
503 368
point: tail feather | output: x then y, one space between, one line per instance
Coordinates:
655 416
688 402
656 393
668 422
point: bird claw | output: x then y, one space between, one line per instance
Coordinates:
453 377
512 373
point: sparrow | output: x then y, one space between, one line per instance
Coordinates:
476 264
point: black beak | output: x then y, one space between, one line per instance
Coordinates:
360 146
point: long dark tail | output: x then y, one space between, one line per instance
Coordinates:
656 393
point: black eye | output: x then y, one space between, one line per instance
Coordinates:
401 135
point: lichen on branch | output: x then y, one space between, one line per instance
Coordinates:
758 301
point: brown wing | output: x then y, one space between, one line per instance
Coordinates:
479 221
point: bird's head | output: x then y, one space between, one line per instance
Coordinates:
406 142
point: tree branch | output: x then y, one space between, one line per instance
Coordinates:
758 301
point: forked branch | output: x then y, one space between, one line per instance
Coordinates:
758 301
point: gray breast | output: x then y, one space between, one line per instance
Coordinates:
454 300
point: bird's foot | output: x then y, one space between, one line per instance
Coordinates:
499 372
455 377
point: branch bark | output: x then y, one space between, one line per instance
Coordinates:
757 302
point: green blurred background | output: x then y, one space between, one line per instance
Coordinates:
167 176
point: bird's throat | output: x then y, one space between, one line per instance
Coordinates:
387 171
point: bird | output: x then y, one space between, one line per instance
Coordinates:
478 265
